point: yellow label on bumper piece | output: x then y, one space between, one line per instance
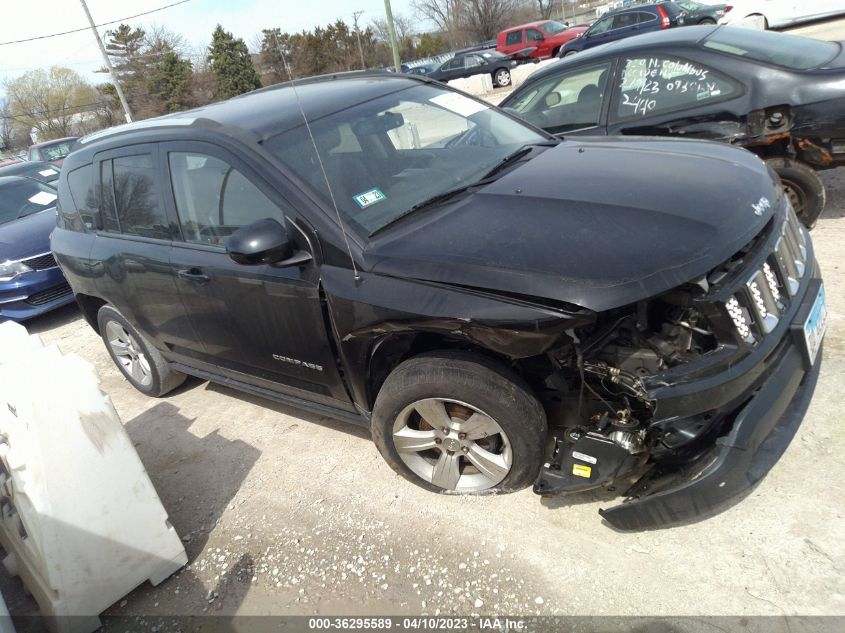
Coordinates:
581 471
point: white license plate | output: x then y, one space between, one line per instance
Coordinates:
815 326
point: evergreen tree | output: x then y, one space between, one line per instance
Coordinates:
231 65
171 81
272 62
125 49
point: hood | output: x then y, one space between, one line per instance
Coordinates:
28 236
599 223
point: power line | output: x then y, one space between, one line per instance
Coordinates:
85 28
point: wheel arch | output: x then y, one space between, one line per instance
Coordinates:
90 305
389 351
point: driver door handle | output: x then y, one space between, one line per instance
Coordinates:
193 274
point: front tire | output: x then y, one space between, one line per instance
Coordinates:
139 362
569 53
453 422
502 78
804 188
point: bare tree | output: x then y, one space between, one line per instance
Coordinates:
7 122
545 8
49 101
403 24
468 20
485 18
446 14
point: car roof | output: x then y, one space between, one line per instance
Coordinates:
55 140
26 165
276 109
10 180
633 7
536 23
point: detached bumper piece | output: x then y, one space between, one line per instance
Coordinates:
80 521
761 432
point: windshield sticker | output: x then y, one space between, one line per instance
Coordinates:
47 172
369 198
458 103
43 198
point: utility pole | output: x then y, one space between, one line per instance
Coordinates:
114 80
355 16
392 31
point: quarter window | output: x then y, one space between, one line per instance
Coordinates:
107 210
651 85
213 199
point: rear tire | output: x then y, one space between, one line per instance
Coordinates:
502 78
139 362
454 422
707 21
803 186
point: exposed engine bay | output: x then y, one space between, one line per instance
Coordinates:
607 429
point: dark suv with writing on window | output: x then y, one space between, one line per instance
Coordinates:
464 285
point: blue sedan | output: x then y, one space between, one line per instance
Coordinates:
30 281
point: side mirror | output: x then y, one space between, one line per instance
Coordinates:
262 242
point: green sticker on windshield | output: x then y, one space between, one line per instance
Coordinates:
369 198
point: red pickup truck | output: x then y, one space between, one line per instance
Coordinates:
544 37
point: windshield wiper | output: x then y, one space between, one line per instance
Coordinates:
486 179
513 157
433 200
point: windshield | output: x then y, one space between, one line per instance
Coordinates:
23 197
552 28
385 156
56 151
790 51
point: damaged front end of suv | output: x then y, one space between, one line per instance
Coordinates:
686 400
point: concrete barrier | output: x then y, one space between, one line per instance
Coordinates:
475 85
523 72
483 84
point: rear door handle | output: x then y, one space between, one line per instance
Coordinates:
193 274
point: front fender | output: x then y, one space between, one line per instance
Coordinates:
366 312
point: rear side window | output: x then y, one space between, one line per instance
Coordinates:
790 51
137 200
652 85
213 199
514 37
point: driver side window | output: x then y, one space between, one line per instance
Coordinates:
213 199
601 26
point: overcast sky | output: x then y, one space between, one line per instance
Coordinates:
195 20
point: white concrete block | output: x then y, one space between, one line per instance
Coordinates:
79 517
475 85
524 71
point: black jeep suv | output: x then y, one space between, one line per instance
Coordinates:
498 306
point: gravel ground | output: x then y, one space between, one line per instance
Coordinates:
283 512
